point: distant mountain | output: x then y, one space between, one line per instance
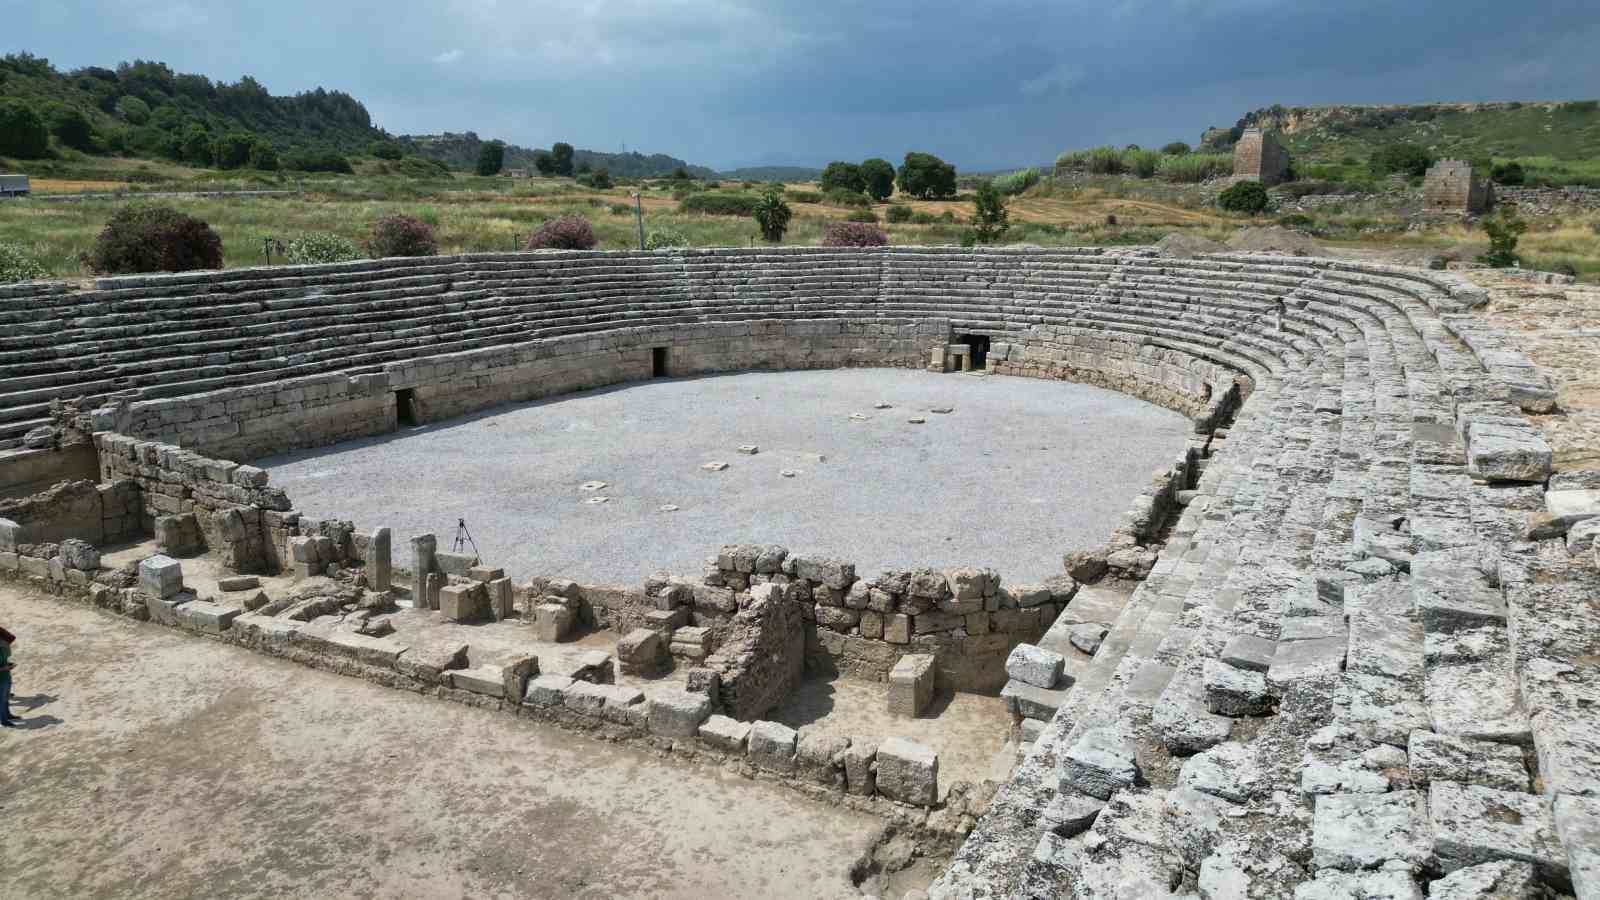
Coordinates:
1565 130
772 173
460 151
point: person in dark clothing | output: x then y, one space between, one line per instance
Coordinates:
6 640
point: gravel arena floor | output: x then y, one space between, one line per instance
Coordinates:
1019 471
151 763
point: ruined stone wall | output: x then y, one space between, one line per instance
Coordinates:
763 658
97 513
25 472
1259 157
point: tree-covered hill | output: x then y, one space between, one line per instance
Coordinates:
460 151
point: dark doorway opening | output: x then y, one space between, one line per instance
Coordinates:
405 406
979 347
658 362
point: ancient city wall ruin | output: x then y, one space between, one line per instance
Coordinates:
1375 592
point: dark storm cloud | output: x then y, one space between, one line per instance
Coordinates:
725 82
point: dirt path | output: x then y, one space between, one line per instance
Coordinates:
154 763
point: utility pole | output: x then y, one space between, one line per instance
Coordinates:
638 212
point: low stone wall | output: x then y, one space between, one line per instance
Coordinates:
97 513
25 472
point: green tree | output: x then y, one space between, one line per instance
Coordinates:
22 132
563 159
879 176
989 219
385 150
843 176
1503 230
194 145
71 127
926 176
544 162
1402 158
773 215
232 150
133 110
263 157
1176 148
491 157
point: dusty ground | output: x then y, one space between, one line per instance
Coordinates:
156 764
1020 471
1558 327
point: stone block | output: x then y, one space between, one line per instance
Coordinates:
625 706
238 583
552 622
211 618
429 663
1087 636
547 691
1235 692
379 561
860 767
640 652
433 583
11 535
907 772
160 576
1100 763
1578 825
485 680
1318 658
1026 701
827 571
725 734
485 573
897 629
1365 831
772 746
911 683
1473 825
1572 505
1503 880
677 714
1249 652
458 564
664 620
502 599
1034 665
586 698
515 671
1503 452
820 758
423 548
80 555
1442 757
464 602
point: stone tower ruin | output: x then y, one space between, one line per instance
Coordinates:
1259 157
1452 187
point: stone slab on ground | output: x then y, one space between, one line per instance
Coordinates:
1442 757
1033 665
1364 831
772 746
911 683
1101 762
725 734
908 772
1473 825
677 714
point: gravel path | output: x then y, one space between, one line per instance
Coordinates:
1021 470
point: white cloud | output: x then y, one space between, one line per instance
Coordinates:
1057 79
447 57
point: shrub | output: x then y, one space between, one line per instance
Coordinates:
1142 163
927 176
773 215
422 167
326 161
989 220
544 162
1194 168
17 264
599 179
133 110
154 239
805 196
620 209
263 157
321 247
853 234
853 199
1014 183
491 158
923 218
898 213
862 215
1095 160
843 176
568 232
386 150
1243 197
1176 148
71 127
1300 189
232 150
1400 158
1510 174
715 204
947 217
1503 230
1298 221
879 177
401 235
661 238
22 132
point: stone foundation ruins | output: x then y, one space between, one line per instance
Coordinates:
1349 650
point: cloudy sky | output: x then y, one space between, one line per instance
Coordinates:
735 82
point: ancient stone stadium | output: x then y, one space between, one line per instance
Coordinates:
1342 644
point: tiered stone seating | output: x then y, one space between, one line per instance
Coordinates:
1340 600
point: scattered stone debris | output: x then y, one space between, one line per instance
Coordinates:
917 420
596 500
593 485
715 466
749 449
668 507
